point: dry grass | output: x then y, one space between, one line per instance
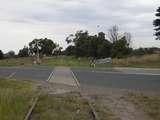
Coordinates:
61 107
150 105
150 61
139 61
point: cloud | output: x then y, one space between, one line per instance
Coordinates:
22 21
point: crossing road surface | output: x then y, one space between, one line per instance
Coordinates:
145 80
133 79
34 73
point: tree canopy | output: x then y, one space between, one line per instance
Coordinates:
156 24
45 46
1 54
97 46
10 54
86 45
24 52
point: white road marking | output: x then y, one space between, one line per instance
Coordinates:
75 78
152 74
130 68
52 73
11 75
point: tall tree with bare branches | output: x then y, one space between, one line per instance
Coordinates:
156 24
113 33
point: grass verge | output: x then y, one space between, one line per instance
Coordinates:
145 61
16 62
66 61
150 105
67 107
15 98
103 112
61 107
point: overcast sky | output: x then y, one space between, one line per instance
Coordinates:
23 20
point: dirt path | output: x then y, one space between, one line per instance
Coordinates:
124 109
115 100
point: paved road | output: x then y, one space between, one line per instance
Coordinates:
139 80
109 78
34 73
63 75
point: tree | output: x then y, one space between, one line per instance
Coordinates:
24 52
156 24
104 46
80 41
86 45
44 46
128 38
1 54
120 42
57 51
70 50
120 48
97 46
10 54
113 34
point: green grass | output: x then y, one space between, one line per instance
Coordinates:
16 62
68 107
15 98
146 61
150 105
66 61
54 61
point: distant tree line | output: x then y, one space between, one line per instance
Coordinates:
45 47
85 45
9 54
82 44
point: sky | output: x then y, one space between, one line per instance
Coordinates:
23 20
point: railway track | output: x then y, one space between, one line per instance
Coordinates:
36 99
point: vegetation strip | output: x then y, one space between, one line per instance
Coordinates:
29 113
28 116
15 98
94 113
149 104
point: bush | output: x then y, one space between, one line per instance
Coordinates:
1 54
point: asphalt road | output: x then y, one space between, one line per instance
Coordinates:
139 80
133 79
33 73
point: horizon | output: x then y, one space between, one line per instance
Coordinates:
23 21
